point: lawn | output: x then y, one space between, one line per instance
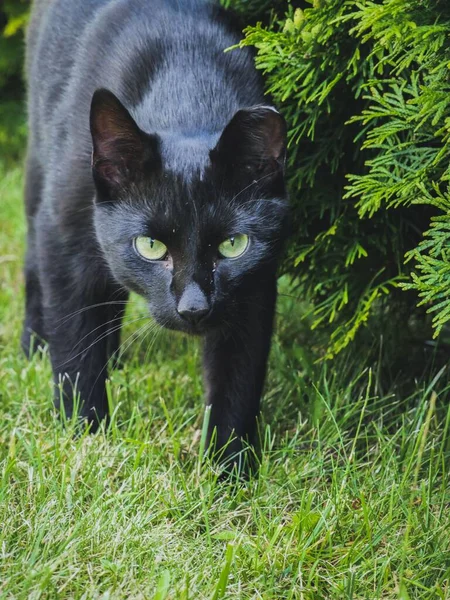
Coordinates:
352 500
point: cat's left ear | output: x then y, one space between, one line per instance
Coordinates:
254 141
120 149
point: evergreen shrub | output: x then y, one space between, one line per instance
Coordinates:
365 88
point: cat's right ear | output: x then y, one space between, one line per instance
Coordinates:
253 142
121 151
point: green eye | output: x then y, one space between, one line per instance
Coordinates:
149 248
234 246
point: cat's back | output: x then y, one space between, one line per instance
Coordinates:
76 46
164 59
53 37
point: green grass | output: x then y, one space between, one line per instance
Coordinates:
352 499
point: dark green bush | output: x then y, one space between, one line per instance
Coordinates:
365 88
13 20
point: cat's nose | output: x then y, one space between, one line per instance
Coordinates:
193 304
193 316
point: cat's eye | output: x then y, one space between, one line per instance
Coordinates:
234 246
149 248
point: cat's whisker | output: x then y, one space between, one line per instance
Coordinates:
122 323
135 335
142 331
123 347
63 320
91 207
108 332
156 333
251 184
266 201
96 341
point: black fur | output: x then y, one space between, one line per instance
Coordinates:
140 124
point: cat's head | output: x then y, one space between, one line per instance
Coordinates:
190 223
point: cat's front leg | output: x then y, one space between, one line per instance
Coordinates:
80 315
235 361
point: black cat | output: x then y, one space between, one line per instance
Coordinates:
153 166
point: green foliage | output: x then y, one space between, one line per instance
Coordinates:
13 20
364 86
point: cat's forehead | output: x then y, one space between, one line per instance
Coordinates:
187 154
194 203
172 205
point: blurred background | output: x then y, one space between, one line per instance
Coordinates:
13 20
